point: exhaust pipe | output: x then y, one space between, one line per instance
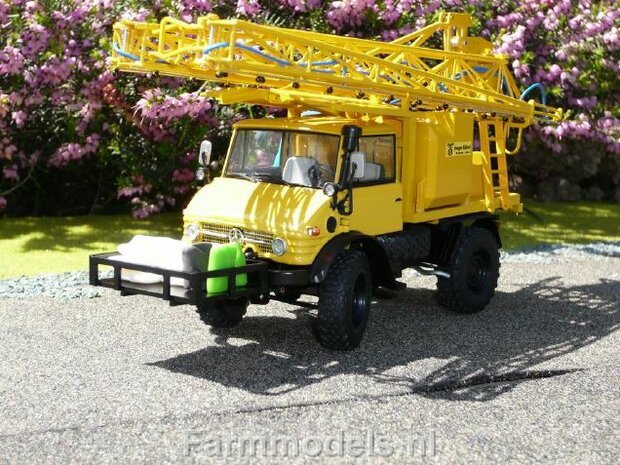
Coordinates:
427 271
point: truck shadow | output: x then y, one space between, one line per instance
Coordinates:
492 349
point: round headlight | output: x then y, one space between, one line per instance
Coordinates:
192 231
279 246
330 189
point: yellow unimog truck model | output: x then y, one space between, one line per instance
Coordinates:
392 156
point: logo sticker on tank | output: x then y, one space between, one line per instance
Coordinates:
457 149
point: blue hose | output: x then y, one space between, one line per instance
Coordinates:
279 61
320 63
129 56
210 48
124 54
537 85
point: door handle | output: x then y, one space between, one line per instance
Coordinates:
398 199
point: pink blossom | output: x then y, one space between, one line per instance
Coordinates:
19 118
34 40
139 186
612 38
7 149
69 152
247 7
10 173
347 13
189 157
300 6
4 13
189 9
156 106
554 71
182 175
137 15
11 61
584 102
145 211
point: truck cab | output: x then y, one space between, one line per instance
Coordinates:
278 181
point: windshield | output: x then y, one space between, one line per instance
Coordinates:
286 157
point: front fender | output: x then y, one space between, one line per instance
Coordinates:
382 274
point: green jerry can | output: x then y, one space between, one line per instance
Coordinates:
224 256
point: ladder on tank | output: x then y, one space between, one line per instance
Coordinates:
493 135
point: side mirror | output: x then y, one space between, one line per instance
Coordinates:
206 173
352 136
204 156
358 164
214 166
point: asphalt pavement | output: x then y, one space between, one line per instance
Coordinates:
128 380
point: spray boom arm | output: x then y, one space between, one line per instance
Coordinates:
308 70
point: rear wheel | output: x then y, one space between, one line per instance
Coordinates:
224 313
473 269
344 302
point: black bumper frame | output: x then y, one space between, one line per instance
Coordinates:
257 273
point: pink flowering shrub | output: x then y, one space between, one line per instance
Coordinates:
573 48
74 138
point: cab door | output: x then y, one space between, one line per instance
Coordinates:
378 195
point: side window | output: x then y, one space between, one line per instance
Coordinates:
380 158
321 147
237 159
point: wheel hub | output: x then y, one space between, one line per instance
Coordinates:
360 301
477 270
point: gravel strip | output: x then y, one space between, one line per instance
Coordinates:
562 252
74 285
70 285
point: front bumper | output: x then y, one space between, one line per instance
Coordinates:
261 281
194 294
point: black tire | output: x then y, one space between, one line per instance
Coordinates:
224 313
474 270
344 302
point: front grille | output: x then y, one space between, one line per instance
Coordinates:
221 234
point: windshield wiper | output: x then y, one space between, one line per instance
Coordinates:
257 176
245 176
269 177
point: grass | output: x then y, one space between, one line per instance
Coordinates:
561 222
30 246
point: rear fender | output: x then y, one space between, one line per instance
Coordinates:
492 224
446 234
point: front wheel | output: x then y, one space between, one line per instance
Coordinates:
224 313
344 302
473 269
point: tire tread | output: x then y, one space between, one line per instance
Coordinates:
333 298
451 293
224 314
